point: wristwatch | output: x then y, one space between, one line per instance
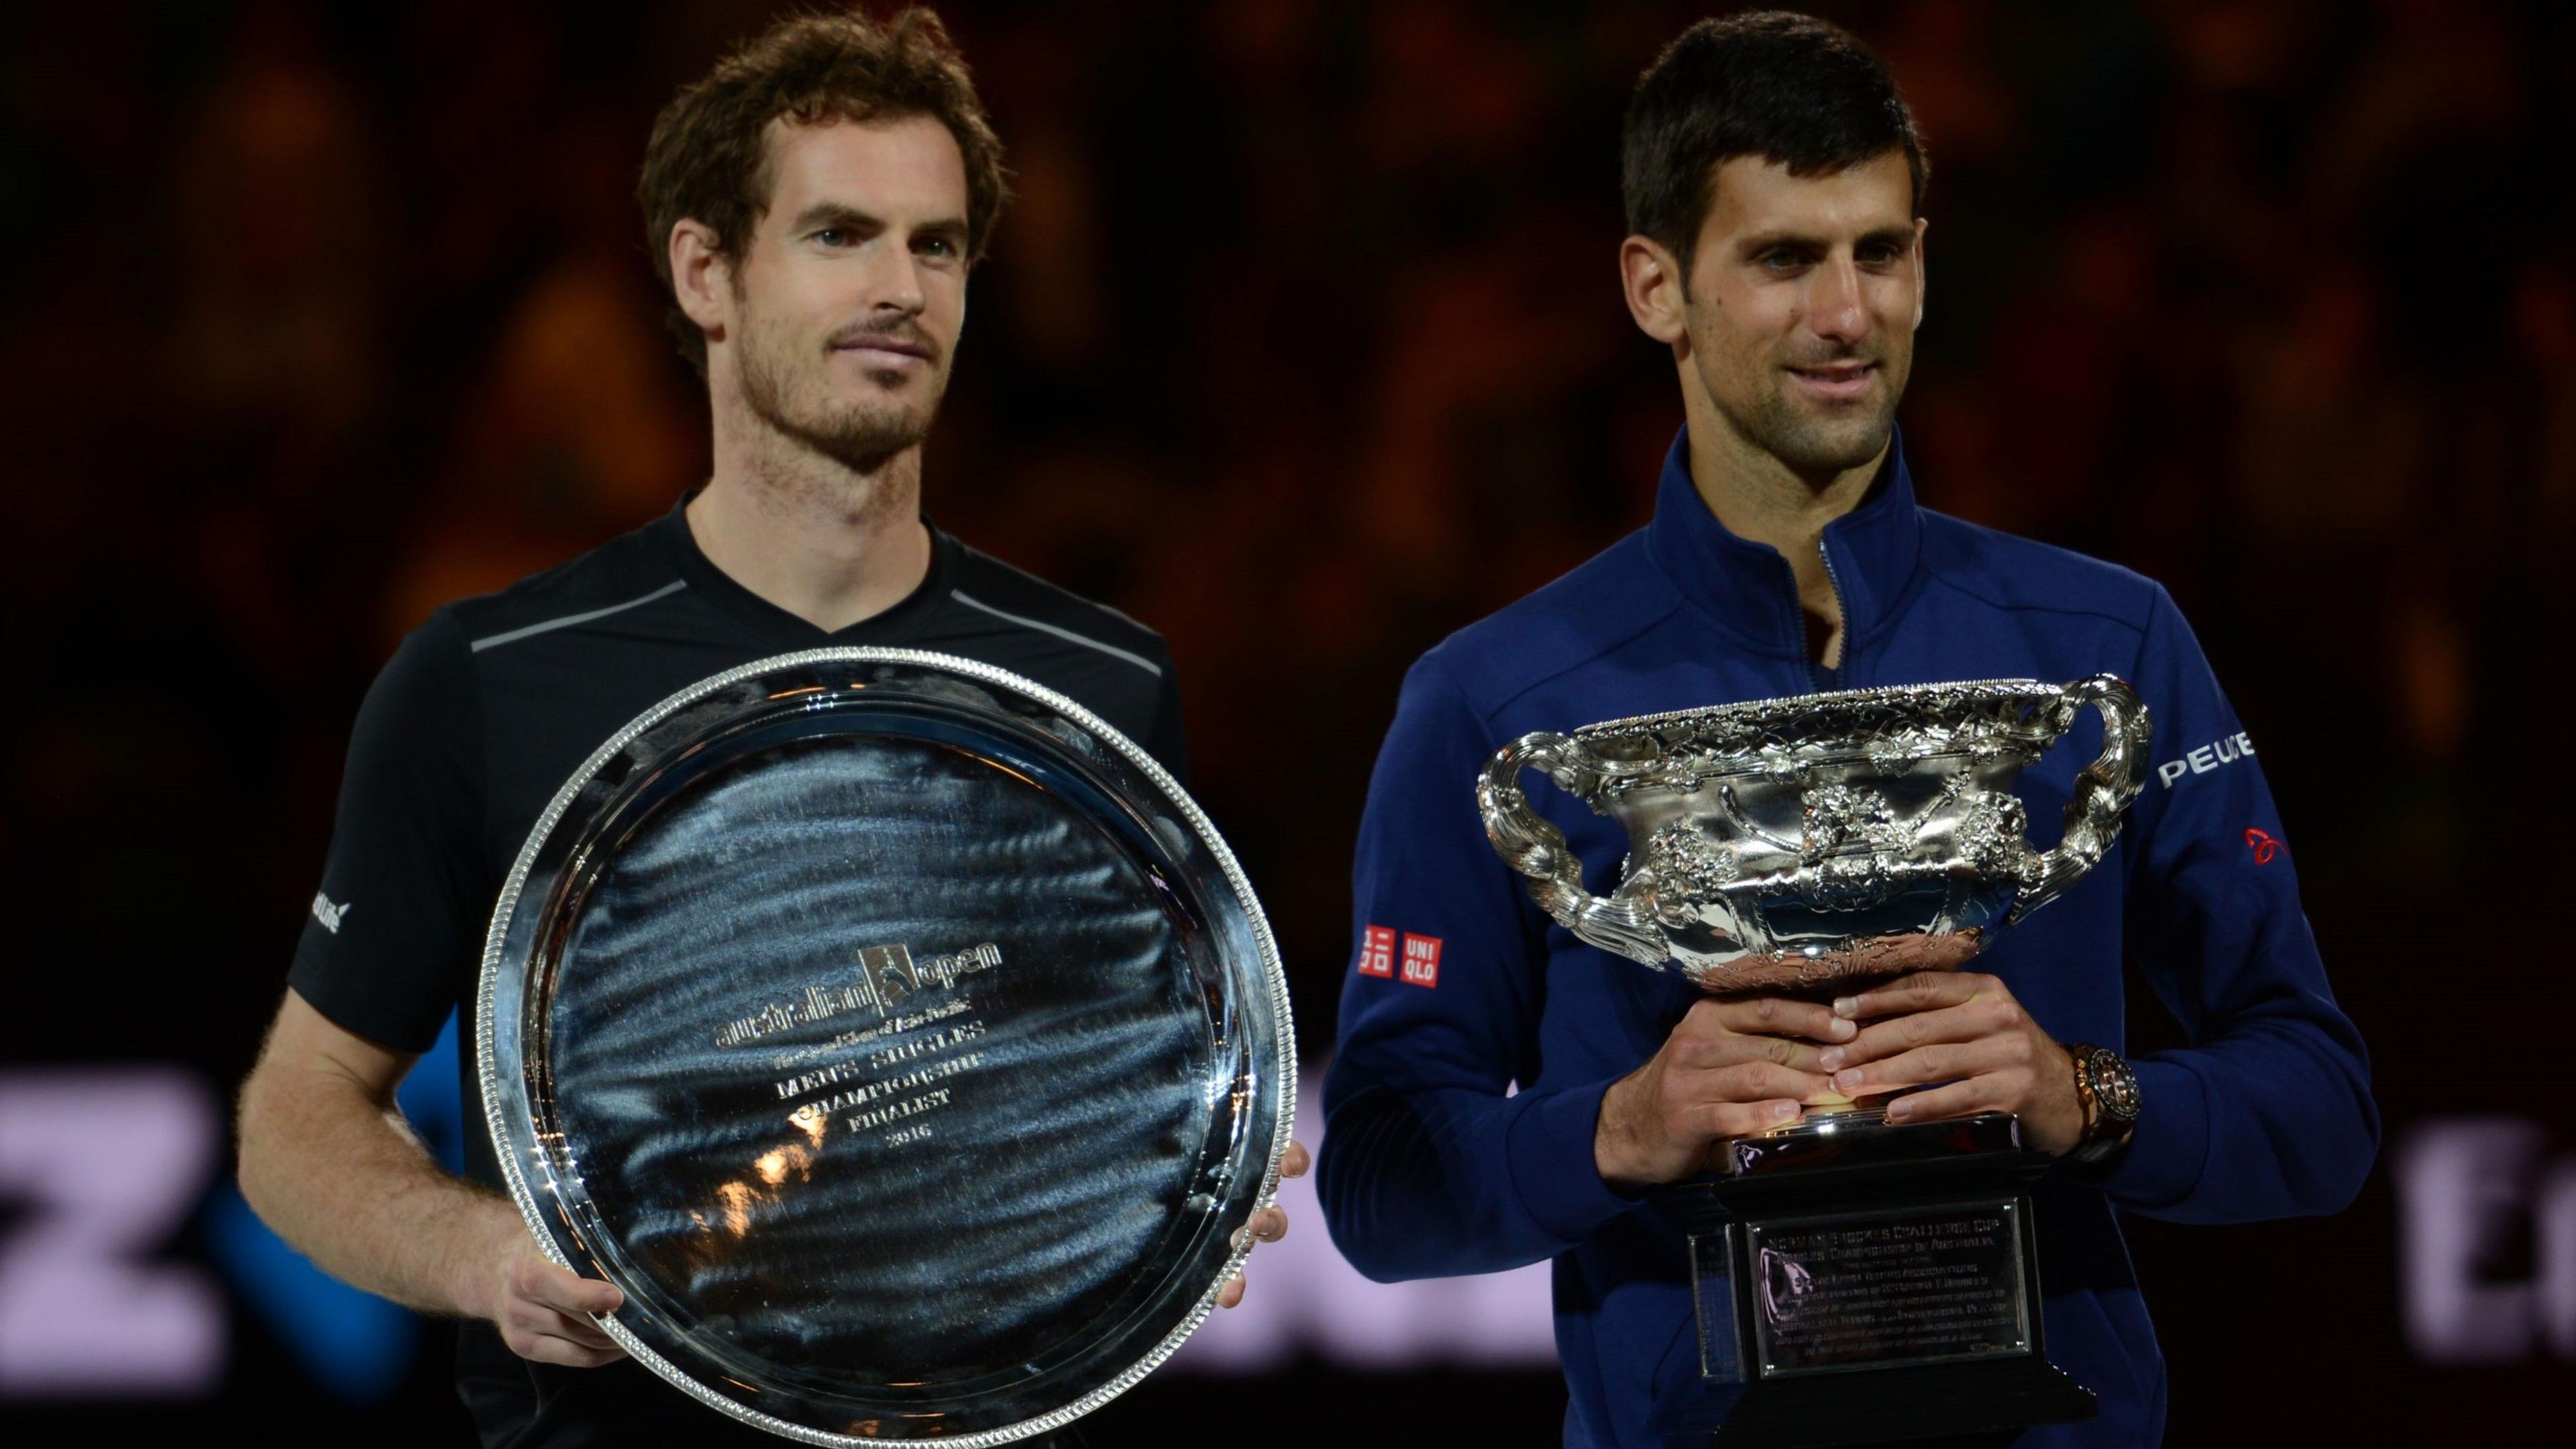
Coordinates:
2108 1091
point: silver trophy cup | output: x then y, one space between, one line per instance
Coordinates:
1806 845
1796 844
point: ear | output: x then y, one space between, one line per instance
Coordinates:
701 277
1922 275
1651 277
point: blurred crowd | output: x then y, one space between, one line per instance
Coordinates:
1302 344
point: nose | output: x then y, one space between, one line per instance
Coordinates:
894 283
1836 309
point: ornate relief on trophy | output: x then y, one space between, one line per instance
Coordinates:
1790 844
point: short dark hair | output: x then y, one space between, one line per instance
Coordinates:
1788 88
708 160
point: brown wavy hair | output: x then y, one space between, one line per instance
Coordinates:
708 160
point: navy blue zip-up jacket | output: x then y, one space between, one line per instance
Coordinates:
1462 990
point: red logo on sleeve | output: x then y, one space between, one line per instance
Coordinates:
1421 959
2263 846
1377 951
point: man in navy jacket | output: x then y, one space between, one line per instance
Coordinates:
1504 1093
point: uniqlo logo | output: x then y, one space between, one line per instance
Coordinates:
1377 951
1421 959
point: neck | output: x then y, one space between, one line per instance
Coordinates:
1760 497
827 542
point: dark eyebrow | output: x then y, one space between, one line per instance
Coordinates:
831 213
1761 242
1898 237
841 214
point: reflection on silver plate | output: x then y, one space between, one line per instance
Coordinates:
897 1036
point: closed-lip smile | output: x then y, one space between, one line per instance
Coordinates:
892 346
1837 380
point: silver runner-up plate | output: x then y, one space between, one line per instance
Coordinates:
898 1037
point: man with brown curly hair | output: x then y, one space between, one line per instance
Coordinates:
815 205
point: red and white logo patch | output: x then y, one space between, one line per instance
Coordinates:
1421 959
1377 951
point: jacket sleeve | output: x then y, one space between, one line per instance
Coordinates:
2267 1113
1431 1166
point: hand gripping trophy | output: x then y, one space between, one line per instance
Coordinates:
1853 1277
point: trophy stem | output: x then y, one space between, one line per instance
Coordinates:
1833 1117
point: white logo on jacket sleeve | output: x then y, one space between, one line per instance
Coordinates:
1377 952
328 914
1421 959
2206 758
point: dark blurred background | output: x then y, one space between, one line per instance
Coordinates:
1302 345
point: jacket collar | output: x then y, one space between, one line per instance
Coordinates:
1748 587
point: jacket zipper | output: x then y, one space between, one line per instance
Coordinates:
1842 614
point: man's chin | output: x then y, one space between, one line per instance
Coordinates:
1831 446
864 444
860 437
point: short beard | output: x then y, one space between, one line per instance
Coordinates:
859 438
1811 446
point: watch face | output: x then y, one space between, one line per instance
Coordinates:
2115 1085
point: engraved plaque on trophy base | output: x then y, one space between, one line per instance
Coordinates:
1825 1322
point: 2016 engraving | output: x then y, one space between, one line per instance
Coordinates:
1942 1285
887 975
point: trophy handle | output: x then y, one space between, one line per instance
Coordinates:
2102 792
1532 845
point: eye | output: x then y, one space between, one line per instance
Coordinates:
833 236
1782 259
938 246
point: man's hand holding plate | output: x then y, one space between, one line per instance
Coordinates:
1268 1225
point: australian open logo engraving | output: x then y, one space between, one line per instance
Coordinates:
888 976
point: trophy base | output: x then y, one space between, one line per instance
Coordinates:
1858 1281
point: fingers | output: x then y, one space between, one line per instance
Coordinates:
1775 1016
1754 1081
1296 1162
1704 1051
1721 1120
1737 1101
546 1315
549 1348
1959 1099
1939 1062
1987 1016
1921 991
1267 1226
530 1316
563 1290
1232 1293
527 1326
